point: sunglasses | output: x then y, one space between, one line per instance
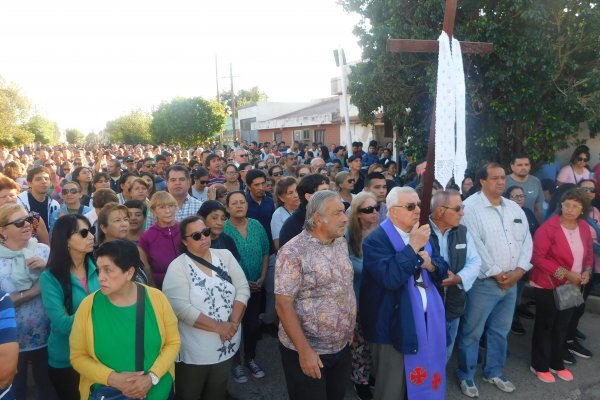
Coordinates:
262 167
583 159
589 190
243 155
351 180
85 231
370 209
302 175
70 191
203 182
455 209
198 235
149 165
410 206
278 173
20 222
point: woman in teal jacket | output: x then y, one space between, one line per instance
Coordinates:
69 277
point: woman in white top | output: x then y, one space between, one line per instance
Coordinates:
208 291
576 170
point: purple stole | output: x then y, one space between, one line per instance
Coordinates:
426 370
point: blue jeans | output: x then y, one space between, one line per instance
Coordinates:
491 308
451 331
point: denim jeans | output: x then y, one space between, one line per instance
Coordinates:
486 304
451 331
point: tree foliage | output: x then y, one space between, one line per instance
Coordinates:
44 130
74 136
187 121
14 112
243 97
541 81
133 128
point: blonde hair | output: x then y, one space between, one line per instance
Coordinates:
162 198
354 228
7 210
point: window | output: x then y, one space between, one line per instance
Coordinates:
320 136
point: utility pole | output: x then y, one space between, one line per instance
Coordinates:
232 100
340 60
217 76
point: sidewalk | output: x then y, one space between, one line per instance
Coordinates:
586 385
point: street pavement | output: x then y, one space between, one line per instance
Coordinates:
585 386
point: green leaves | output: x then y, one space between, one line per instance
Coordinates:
133 128
541 81
74 136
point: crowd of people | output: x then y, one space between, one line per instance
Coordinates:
152 271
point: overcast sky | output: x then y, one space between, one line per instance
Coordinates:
84 63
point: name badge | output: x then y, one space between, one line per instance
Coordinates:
461 246
518 221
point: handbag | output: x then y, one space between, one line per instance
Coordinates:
104 392
566 296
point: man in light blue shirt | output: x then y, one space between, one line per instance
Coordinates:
457 248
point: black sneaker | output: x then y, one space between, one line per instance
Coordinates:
580 335
576 348
517 328
523 312
363 391
569 358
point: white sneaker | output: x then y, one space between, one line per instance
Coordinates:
468 388
501 383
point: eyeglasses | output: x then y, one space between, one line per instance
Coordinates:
518 197
571 206
19 223
410 206
455 209
86 231
582 159
351 180
589 190
166 207
149 165
278 173
302 175
198 235
370 209
70 191
243 155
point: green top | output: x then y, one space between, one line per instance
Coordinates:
61 322
252 248
114 340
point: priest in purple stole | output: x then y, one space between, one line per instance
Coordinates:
401 311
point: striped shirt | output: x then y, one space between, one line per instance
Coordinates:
8 332
190 207
501 235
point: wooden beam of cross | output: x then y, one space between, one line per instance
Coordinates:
432 46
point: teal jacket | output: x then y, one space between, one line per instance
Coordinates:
60 321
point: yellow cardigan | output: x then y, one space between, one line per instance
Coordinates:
83 356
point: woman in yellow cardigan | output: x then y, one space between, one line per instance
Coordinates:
103 336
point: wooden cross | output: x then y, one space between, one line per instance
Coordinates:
432 46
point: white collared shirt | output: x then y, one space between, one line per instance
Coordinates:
405 238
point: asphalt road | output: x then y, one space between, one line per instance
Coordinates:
585 386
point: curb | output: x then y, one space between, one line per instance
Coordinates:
592 304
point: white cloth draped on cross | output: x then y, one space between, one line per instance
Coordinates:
450 142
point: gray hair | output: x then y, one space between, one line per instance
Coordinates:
315 160
316 205
394 194
441 198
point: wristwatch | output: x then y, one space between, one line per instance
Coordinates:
154 378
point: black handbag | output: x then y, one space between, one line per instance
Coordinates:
104 392
566 296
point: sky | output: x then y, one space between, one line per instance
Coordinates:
84 63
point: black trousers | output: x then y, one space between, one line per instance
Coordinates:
39 365
578 313
334 376
549 332
65 382
250 327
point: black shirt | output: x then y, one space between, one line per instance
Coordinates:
225 241
293 225
39 207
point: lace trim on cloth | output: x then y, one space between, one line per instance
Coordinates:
450 141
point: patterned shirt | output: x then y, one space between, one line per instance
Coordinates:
319 278
252 248
190 207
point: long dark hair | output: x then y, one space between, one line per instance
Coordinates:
59 260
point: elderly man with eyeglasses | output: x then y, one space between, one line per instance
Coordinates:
402 314
456 246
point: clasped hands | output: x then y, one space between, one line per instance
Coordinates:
132 384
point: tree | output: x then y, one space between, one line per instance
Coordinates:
74 136
45 131
92 138
187 121
14 112
133 128
243 97
541 81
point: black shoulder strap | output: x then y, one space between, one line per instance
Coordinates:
139 328
219 271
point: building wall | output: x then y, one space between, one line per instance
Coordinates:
332 134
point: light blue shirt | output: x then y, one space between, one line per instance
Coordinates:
501 235
470 271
